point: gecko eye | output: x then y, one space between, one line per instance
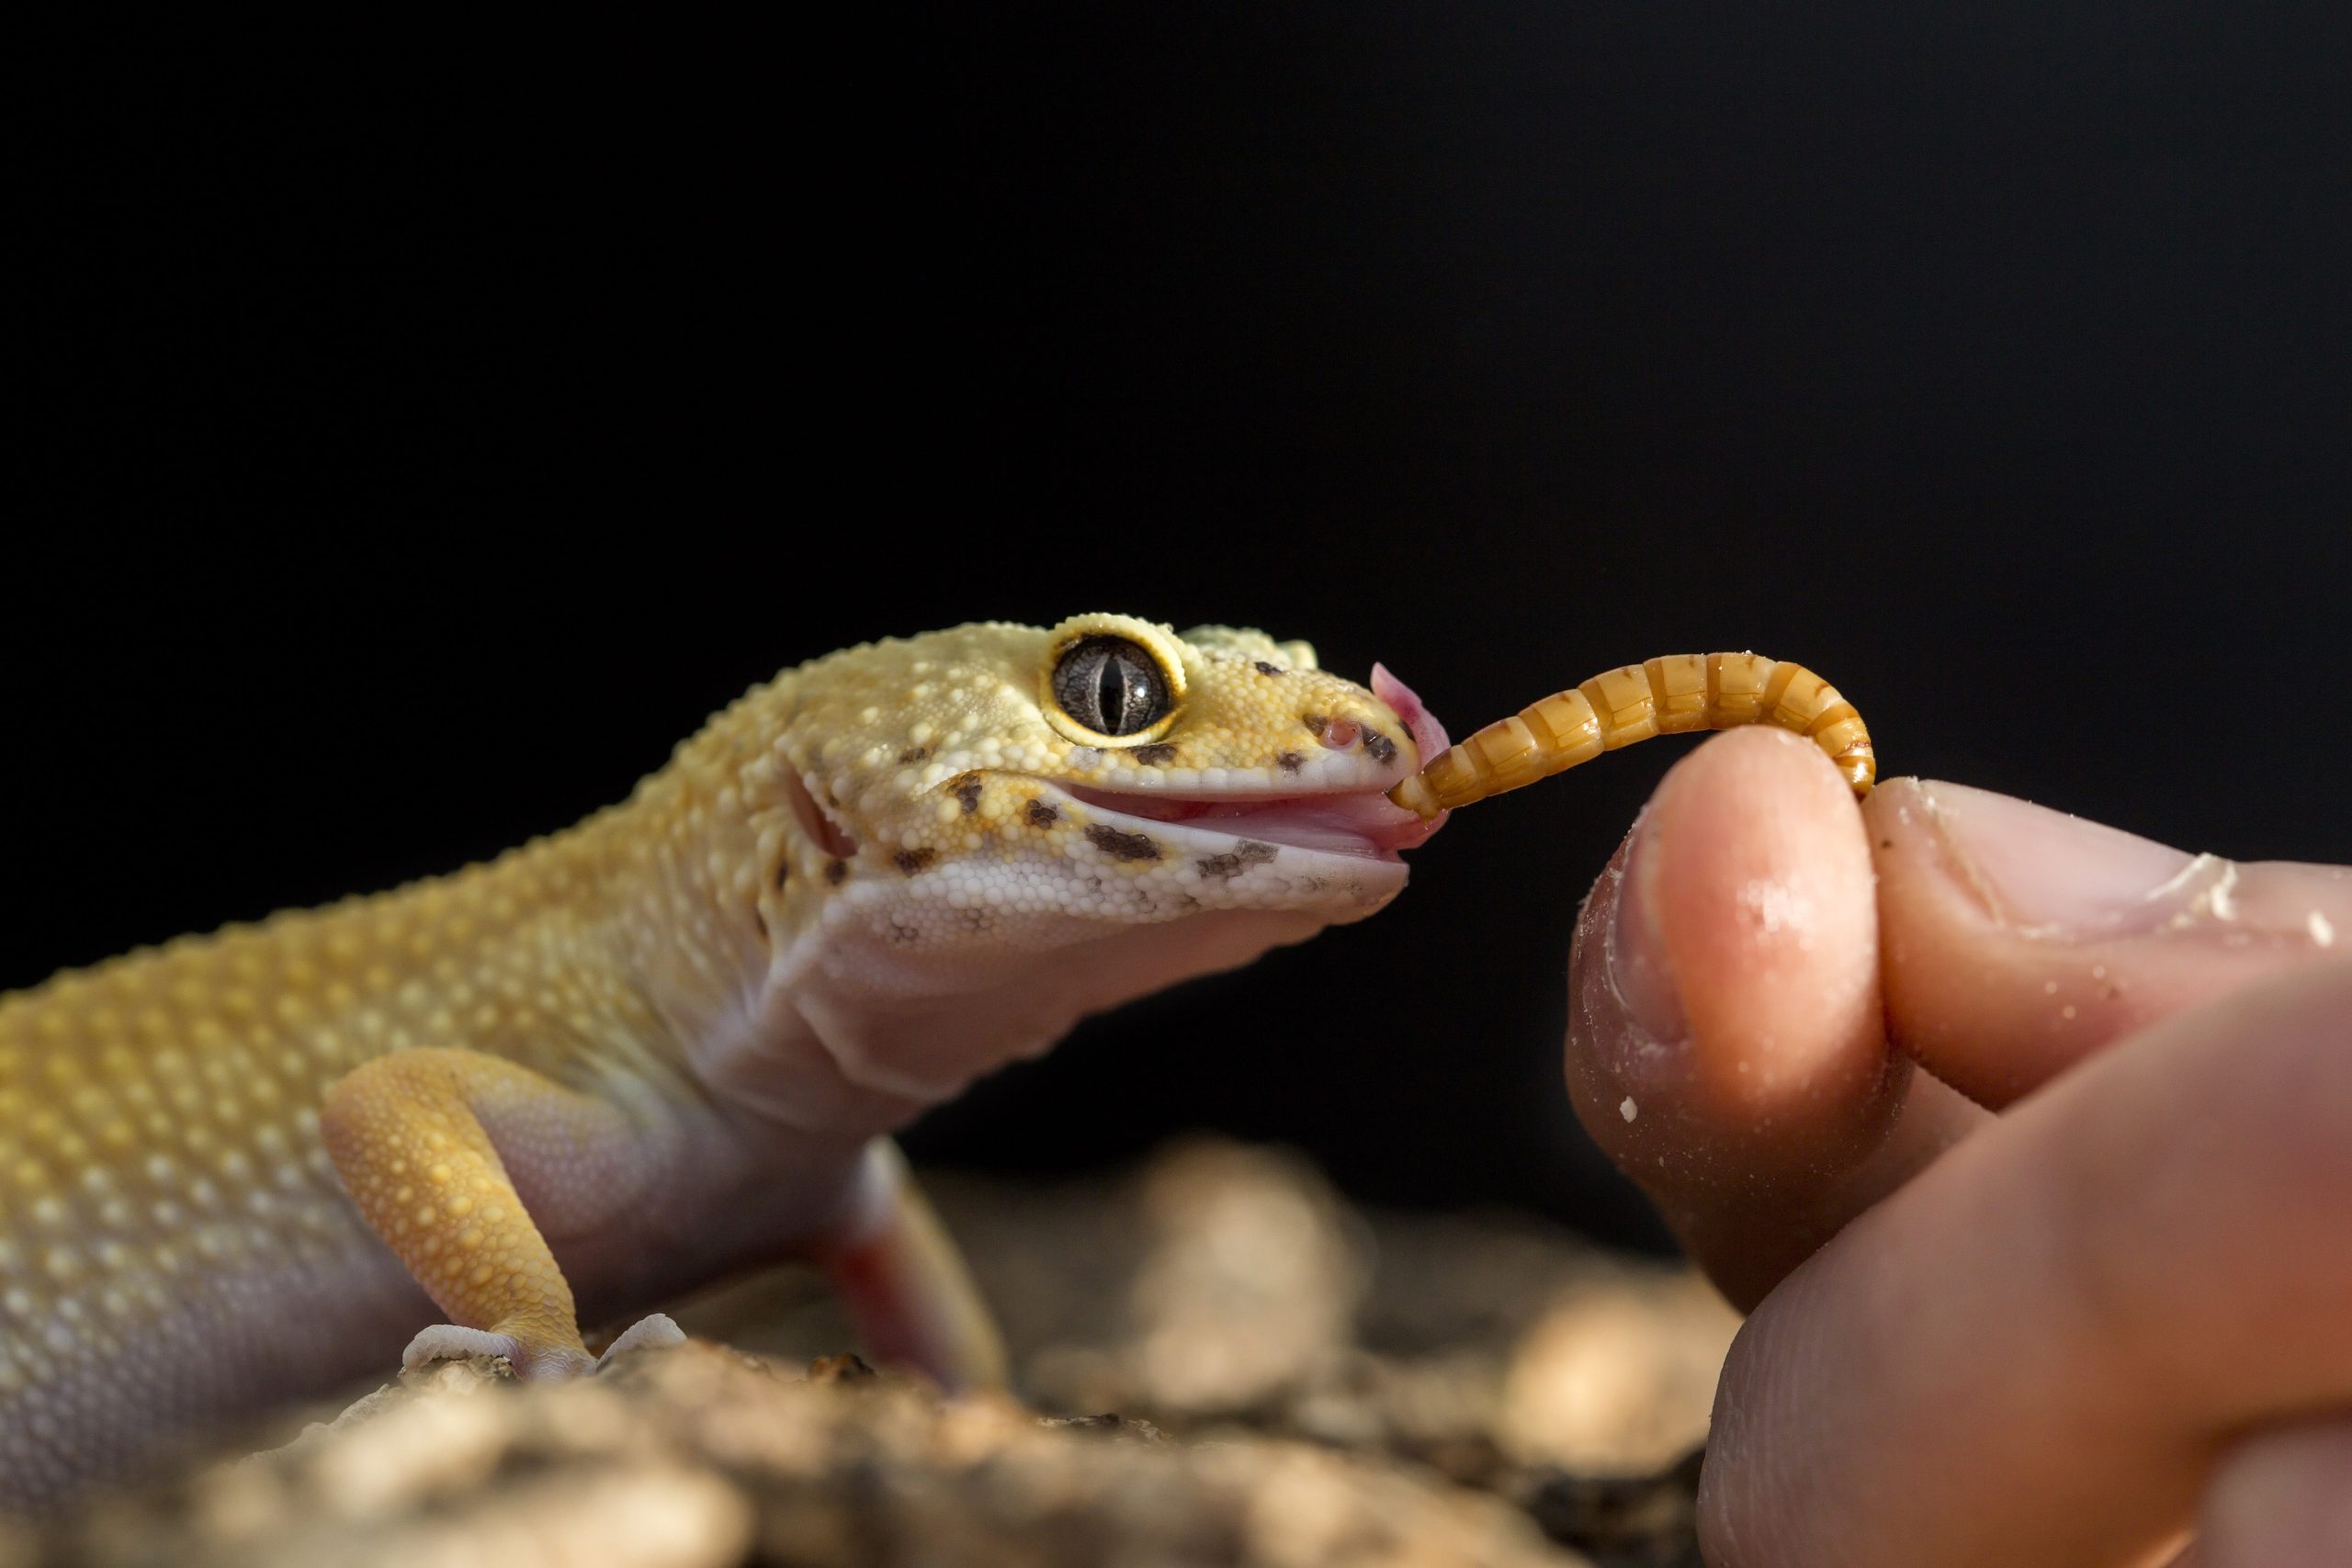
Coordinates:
1111 687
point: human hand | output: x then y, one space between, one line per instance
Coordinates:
2089 1282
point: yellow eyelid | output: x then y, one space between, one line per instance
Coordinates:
1159 642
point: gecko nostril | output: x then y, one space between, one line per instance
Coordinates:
1340 734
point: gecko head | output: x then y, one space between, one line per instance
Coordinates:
1083 812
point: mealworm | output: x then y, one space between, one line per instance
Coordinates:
1665 696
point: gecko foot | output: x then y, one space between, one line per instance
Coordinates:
536 1362
533 1363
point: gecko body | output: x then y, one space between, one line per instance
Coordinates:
567 1083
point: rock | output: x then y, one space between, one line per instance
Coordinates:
1250 1284
1616 1376
694 1456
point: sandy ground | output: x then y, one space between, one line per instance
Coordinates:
1219 1363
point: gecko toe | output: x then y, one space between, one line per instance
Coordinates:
652 1332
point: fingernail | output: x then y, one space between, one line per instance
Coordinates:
2048 874
1638 970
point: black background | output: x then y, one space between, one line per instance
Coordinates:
419 436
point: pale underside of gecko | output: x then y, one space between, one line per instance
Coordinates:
666 1043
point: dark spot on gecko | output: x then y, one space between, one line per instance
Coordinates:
1266 669
1121 846
914 860
1156 753
1233 861
975 919
1290 761
914 754
1316 724
1041 815
1886 843
966 788
902 935
836 871
783 872
1379 746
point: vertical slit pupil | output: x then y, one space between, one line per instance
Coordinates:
1113 696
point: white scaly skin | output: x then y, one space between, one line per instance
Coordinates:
664 1043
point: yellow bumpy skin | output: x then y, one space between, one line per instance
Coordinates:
664 1043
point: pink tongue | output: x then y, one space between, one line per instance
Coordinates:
1429 739
1427 732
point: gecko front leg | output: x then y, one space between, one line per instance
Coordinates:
427 1142
456 1159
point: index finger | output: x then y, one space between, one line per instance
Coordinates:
2019 940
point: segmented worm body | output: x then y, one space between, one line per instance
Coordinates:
1665 696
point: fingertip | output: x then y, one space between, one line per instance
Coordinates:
1727 965
1763 893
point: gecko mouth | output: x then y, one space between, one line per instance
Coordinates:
1362 823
